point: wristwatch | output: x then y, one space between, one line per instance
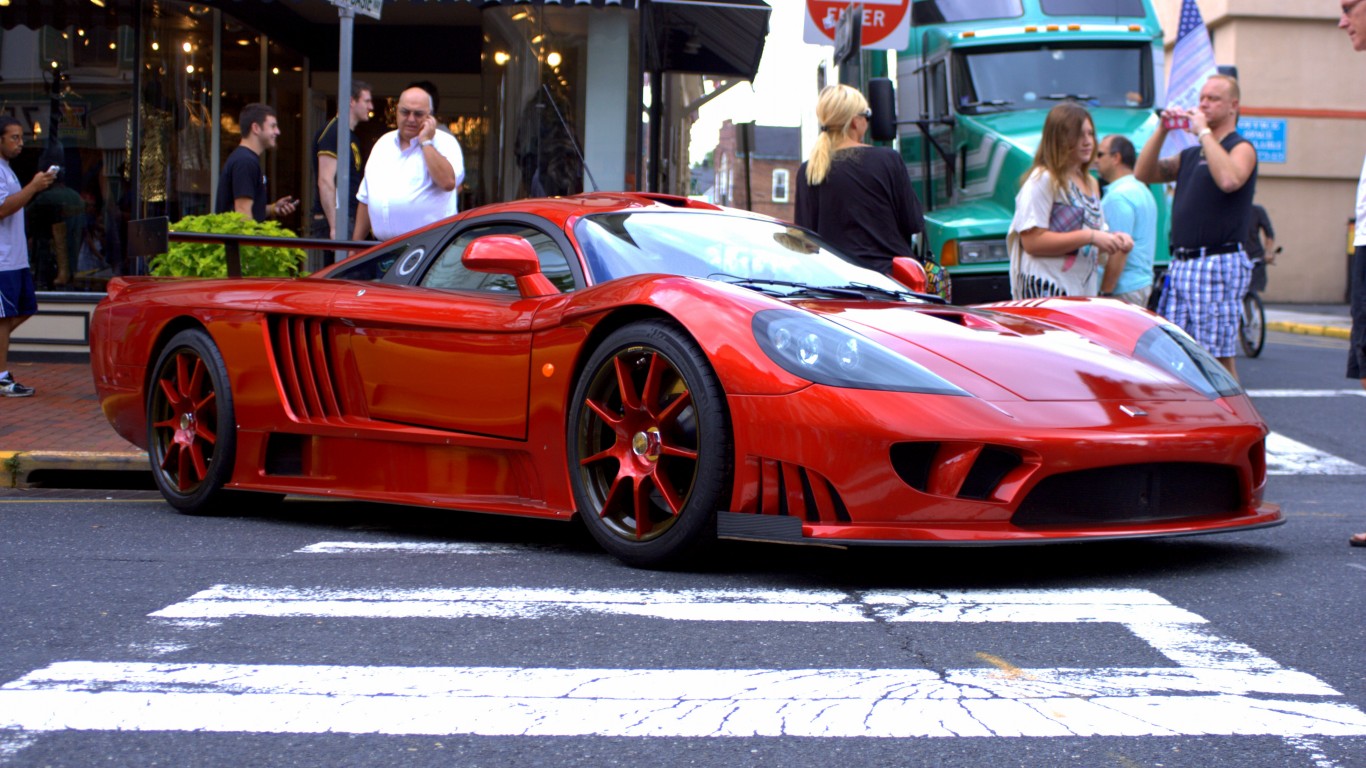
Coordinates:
1202 133
429 143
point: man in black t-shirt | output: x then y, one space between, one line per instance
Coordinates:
1261 246
242 183
1215 182
325 165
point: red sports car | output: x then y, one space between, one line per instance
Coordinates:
672 372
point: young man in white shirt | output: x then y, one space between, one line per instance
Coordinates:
412 175
18 298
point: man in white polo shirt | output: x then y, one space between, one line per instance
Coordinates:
412 175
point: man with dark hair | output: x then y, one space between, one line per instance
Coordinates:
1261 246
242 184
1215 183
1129 207
325 165
18 297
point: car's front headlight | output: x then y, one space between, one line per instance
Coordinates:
818 350
1170 349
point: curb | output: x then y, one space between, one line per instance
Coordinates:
16 467
1309 329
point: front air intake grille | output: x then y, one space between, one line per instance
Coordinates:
961 470
303 362
1132 494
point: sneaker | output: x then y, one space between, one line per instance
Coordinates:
11 388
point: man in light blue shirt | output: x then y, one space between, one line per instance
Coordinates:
1129 207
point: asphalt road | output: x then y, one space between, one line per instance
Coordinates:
338 634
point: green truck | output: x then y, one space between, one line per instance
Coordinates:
973 88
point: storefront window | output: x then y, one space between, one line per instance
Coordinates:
69 88
200 67
541 101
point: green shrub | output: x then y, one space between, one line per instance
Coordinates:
208 259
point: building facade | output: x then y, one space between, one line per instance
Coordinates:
756 168
1304 97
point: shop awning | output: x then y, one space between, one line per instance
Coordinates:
86 15
706 37
709 37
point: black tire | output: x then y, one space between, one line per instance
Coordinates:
1252 325
191 431
649 445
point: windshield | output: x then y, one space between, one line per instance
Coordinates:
991 80
718 247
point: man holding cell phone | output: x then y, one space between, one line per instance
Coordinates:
412 175
1211 214
18 296
242 184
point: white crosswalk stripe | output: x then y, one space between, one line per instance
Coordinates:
1214 686
1285 456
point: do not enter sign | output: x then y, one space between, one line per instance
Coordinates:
886 23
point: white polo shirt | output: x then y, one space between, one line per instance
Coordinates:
13 240
398 190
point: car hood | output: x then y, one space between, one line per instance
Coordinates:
1028 359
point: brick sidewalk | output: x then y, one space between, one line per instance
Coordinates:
63 416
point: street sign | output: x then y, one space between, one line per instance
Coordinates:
369 8
1267 135
886 23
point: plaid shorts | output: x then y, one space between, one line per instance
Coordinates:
1204 296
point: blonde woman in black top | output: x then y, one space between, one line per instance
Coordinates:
856 197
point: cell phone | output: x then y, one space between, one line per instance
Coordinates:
54 169
1180 123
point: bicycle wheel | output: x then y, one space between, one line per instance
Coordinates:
1252 325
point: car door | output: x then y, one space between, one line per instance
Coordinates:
450 351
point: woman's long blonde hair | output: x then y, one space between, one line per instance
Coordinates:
836 109
1057 152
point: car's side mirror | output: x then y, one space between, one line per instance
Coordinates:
509 255
882 100
910 273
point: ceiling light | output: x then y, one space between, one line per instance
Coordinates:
553 59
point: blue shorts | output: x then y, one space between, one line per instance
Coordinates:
1205 296
17 296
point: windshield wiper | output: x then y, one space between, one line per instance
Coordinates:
765 286
1072 96
986 103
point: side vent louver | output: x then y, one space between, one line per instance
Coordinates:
303 360
795 491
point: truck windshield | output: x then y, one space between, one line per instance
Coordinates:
941 11
1004 79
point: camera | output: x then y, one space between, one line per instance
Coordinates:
1180 123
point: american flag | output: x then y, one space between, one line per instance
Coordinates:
1192 64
